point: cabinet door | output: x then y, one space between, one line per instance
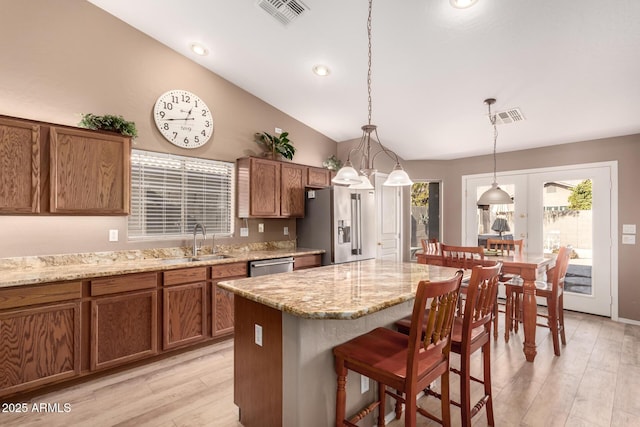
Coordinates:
19 167
184 314
222 319
265 188
318 177
123 328
90 172
222 300
293 182
39 346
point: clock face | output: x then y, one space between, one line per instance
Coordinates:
183 119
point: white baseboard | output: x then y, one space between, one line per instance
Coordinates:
629 321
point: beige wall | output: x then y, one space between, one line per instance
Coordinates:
66 57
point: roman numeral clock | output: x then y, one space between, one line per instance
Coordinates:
183 119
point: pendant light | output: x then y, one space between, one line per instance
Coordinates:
495 195
348 175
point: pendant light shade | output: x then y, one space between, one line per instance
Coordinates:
495 195
347 175
398 178
364 184
370 141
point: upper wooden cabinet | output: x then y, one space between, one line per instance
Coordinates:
90 172
19 166
46 168
269 188
292 190
258 187
318 177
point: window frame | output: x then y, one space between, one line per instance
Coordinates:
180 176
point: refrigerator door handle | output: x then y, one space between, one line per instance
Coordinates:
355 229
356 220
359 204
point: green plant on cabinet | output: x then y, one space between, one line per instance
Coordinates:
276 145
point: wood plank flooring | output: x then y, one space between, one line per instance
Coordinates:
596 382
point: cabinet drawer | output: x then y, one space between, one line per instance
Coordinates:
229 270
186 275
129 282
307 261
33 295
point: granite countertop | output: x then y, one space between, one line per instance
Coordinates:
339 291
57 268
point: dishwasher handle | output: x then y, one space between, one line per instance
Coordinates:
267 263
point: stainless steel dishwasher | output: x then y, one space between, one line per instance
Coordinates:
270 266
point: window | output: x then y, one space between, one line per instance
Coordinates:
170 194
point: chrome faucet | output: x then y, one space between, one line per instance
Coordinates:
197 247
213 243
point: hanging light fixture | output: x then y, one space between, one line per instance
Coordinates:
495 195
348 175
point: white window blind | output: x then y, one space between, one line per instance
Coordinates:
170 194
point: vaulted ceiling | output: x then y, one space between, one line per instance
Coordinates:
572 68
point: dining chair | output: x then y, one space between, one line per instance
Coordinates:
429 246
406 364
461 256
505 247
472 332
552 290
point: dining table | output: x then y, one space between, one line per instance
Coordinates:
530 267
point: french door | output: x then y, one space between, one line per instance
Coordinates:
565 206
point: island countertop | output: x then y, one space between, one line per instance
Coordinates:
340 291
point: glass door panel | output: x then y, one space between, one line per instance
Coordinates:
573 208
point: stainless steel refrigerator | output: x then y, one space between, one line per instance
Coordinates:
341 221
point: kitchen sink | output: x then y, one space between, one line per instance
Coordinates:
195 259
212 256
179 260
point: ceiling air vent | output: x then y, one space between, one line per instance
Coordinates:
509 116
284 11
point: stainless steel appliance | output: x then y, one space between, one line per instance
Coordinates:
341 221
270 266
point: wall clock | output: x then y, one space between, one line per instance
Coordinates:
183 119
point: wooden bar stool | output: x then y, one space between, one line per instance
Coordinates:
404 363
472 332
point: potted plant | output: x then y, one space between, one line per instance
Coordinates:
276 145
332 163
109 123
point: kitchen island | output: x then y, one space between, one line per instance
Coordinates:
286 326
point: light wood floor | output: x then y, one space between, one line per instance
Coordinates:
596 382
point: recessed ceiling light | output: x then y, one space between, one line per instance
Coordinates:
321 70
462 4
198 49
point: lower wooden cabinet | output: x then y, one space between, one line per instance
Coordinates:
123 328
53 332
301 262
222 300
222 321
184 315
39 335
